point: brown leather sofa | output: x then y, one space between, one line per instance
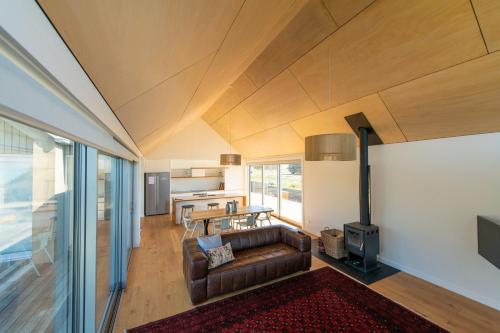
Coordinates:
261 255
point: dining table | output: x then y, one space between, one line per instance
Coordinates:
207 215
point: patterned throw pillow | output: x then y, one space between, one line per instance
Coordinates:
219 255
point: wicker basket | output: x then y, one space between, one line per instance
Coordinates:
333 241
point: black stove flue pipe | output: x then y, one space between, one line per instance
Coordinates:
364 177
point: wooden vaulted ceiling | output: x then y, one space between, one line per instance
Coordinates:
160 64
266 74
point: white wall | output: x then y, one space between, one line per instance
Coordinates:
198 141
330 194
162 165
425 198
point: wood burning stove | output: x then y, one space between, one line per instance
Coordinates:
362 245
362 238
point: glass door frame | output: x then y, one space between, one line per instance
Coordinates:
277 213
121 224
85 239
278 187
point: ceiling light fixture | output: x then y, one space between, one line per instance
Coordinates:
331 147
230 159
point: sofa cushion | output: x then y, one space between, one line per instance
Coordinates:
253 266
209 242
253 238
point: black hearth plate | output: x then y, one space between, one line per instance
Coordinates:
367 278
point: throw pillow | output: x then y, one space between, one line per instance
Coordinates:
209 242
219 255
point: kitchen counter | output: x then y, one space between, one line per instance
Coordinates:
208 197
201 202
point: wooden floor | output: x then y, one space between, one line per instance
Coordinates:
156 288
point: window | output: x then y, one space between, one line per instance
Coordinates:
36 229
279 186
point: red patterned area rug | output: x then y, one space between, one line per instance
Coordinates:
323 300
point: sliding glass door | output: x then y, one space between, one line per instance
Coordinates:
66 216
106 233
36 230
127 215
291 191
255 186
270 186
65 210
278 186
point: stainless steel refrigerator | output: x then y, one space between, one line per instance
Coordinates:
156 193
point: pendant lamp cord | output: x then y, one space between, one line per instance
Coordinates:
330 69
230 136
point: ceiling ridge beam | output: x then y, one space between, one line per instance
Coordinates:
294 62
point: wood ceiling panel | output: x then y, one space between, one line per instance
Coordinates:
237 92
311 25
241 123
332 120
257 24
128 47
273 142
461 100
488 14
278 102
162 105
389 43
343 10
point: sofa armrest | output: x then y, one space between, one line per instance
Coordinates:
293 238
195 261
